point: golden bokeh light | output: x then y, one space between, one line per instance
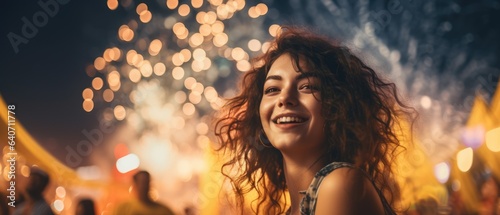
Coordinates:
99 63
220 39
177 59
184 10
274 30
202 128
114 78
159 69
197 65
196 40
97 83
252 13
205 29
254 45
215 2
141 9
146 69
199 54
493 139
265 46
155 47
198 88
178 122
210 17
194 98
134 75
189 83
238 53
146 16
188 109
464 159
180 97
243 65
200 17
222 12
87 93
112 4
261 9
196 3
125 33
119 112
108 95
178 73
172 4
115 53
217 27
186 53
131 54
88 105
210 94
106 55
207 63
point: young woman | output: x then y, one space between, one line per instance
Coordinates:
314 122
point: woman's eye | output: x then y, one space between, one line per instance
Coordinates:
270 90
309 87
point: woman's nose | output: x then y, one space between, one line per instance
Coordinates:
288 97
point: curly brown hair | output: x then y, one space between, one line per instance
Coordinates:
363 114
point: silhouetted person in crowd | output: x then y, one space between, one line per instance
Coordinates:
85 207
142 203
34 203
490 197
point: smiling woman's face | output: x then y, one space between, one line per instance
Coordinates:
290 110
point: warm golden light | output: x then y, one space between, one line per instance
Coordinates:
97 83
184 10
177 59
172 4
194 98
274 30
238 53
99 63
146 69
197 65
265 47
243 65
189 83
178 122
254 45
210 17
88 105
198 88
187 54
180 97
131 54
261 9
107 55
199 54
115 53
205 29
179 28
202 128
60 192
196 3
215 2
200 16
196 40
188 109
155 47
464 159
119 112
141 9
87 93
207 63
114 78
125 33
252 13
112 4
493 139
108 95
220 39
217 27
210 94
159 69
178 73
134 75
222 12
146 16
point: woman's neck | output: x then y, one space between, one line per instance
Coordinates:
299 172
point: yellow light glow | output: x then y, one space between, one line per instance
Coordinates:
115 53
261 9
108 95
106 55
180 97
177 59
134 75
265 47
184 10
172 4
127 163
97 83
442 172
131 54
119 112
252 13
146 69
141 9
87 93
199 54
196 40
194 98
220 39
202 128
198 88
178 73
202 141
184 35
189 83
425 102
125 33
114 78
88 105
155 47
58 205
187 54
188 109
197 66
238 53
254 45
464 159
205 29
196 3
200 16
146 16
493 139
60 192
99 63
112 4
210 94
210 17
25 171
207 63
217 27
159 69
243 65
215 2
274 30
222 12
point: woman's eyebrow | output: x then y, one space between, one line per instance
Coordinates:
273 77
307 75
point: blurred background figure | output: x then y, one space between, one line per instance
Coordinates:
85 207
490 197
34 203
141 203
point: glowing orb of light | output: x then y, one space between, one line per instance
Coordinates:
442 172
127 163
